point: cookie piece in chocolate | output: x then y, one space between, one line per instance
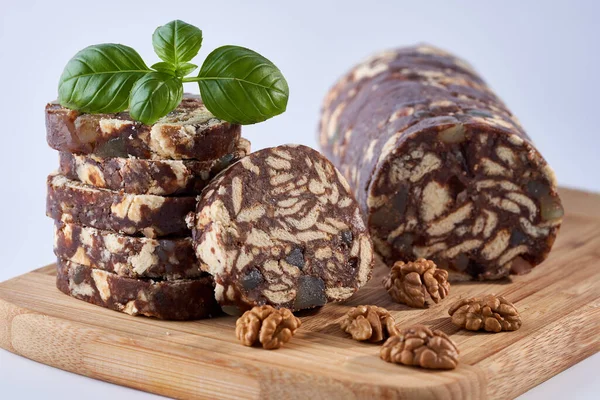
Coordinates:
188 132
181 300
73 202
281 227
128 256
439 164
140 176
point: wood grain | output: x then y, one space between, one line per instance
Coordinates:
559 302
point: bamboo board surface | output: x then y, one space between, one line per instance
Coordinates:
559 303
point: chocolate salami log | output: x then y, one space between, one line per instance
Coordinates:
140 176
128 256
440 166
171 300
281 227
152 216
188 132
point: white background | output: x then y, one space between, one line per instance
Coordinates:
541 57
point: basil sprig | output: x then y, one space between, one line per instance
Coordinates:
237 84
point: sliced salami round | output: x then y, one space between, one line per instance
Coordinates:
141 176
152 216
128 256
181 300
281 227
188 132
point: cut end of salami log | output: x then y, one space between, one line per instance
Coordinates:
281 227
440 166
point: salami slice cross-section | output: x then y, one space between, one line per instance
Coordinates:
152 216
140 176
128 256
188 132
281 227
185 299
440 166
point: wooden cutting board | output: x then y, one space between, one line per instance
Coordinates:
559 302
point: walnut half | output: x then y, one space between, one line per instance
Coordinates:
271 327
491 313
409 283
420 346
369 323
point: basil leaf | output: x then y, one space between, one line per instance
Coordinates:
185 69
164 67
241 86
177 42
98 79
154 96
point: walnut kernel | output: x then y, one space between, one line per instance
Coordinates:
369 323
420 346
409 283
267 325
490 312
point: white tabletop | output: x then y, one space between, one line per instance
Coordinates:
540 57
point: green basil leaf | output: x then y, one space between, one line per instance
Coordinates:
154 96
177 42
164 67
185 69
98 79
241 86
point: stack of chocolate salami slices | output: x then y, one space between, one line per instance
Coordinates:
119 202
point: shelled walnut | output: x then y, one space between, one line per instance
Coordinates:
410 283
420 346
490 312
369 323
267 325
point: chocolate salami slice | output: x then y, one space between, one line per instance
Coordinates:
129 256
281 227
188 132
172 300
140 176
152 216
440 166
